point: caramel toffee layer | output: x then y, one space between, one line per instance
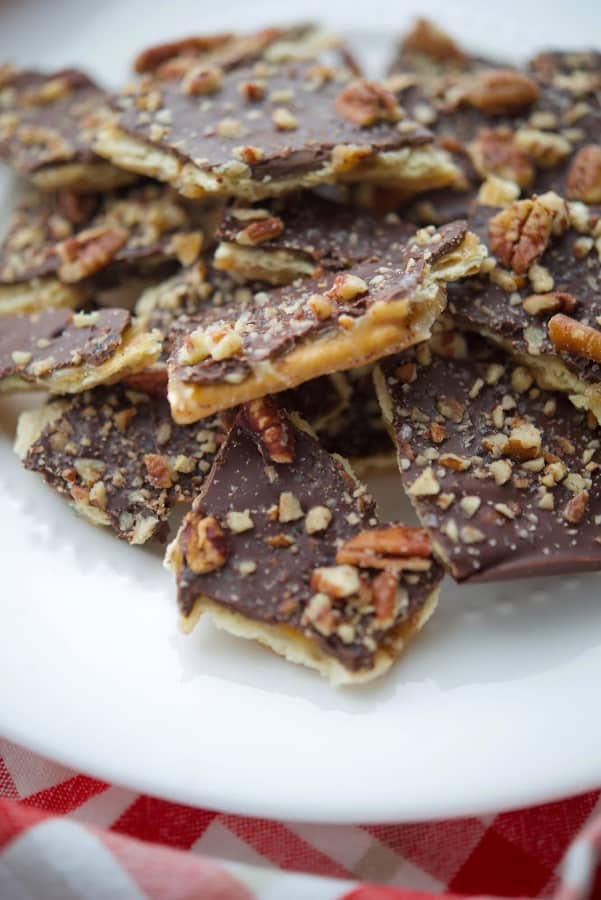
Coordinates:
265 121
44 118
263 538
323 232
564 276
74 236
120 458
271 324
358 430
504 475
35 346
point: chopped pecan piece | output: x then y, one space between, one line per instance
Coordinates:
269 423
584 176
158 470
78 208
519 234
384 597
554 301
88 252
575 508
500 91
365 103
375 548
151 59
202 80
574 337
260 231
495 152
204 543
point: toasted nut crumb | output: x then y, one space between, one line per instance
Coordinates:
495 152
365 103
204 543
320 306
470 505
425 485
501 471
317 519
202 80
289 507
575 508
347 287
384 598
239 521
524 442
471 535
336 581
158 470
283 119
21 357
247 567
555 301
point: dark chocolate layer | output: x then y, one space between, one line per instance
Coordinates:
268 566
506 476
33 346
119 451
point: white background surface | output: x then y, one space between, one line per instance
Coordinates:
494 706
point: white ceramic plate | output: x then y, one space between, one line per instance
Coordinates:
493 707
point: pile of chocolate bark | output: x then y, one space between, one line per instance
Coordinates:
254 272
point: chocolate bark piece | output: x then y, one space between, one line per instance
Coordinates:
547 263
58 240
118 457
509 124
291 239
67 352
47 121
269 128
505 476
282 546
358 431
235 352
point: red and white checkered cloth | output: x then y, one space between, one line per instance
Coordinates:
66 836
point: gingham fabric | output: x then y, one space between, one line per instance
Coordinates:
67 836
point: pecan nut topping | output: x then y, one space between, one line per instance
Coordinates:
574 337
204 544
88 252
261 231
379 547
584 176
495 152
265 419
365 103
500 91
519 234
